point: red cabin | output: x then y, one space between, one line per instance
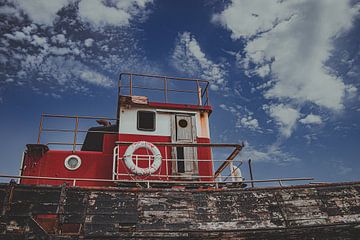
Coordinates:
164 141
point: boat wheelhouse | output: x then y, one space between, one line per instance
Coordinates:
165 141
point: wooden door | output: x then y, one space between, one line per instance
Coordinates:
184 132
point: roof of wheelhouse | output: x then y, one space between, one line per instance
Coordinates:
185 93
141 101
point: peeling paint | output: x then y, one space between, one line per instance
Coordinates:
326 211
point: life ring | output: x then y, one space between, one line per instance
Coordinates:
138 170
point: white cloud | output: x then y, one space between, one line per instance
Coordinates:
244 117
272 153
263 71
54 95
95 78
248 122
115 13
223 106
10 11
311 119
96 12
42 11
59 38
47 56
285 116
351 91
17 36
249 17
39 41
294 38
59 51
65 69
188 57
89 42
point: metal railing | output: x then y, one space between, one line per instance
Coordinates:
171 164
74 143
148 183
201 87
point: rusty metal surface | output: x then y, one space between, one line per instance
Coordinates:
323 211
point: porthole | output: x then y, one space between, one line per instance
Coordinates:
183 123
72 162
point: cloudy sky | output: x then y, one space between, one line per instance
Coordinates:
284 74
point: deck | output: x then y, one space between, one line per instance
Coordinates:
321 211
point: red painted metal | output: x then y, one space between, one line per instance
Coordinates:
204 153
51 164
98 165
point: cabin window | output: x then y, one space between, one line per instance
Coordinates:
146 121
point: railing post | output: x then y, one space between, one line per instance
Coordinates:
166 164
231 166
75 132
165 89
280 183
40 128
199 93
131 84
119 86
115 162
251 174
207 96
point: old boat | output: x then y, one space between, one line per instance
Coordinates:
150 172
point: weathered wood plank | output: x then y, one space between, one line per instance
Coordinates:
31 208
273 213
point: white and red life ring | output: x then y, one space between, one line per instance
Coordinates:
138 170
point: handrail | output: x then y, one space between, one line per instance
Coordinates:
199 84
74 180
187 144
75 131
162 76
71 116
221 168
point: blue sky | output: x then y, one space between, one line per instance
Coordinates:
284 74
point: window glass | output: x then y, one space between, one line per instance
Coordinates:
146 121
180 160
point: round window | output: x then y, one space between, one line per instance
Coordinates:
72 162
183 123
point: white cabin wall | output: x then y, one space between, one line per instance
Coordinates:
202 125
128 122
